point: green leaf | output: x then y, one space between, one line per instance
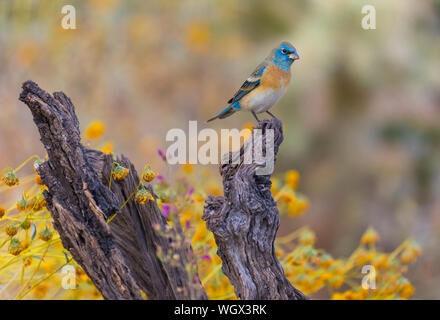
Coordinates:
66 255
38 257
34 231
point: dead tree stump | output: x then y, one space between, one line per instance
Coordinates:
245 222
121 257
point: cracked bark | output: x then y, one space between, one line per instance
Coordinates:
245 222
121 257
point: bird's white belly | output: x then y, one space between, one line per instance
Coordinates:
261 101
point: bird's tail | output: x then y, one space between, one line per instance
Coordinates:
226 112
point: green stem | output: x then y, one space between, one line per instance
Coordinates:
111 175
24 163
131 195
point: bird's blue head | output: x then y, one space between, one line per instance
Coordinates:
284 55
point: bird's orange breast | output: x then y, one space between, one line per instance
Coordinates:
275 78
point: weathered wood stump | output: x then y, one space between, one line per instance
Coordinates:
121 257
245 222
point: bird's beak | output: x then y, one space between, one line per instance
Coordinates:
294 56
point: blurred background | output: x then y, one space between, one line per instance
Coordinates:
361 116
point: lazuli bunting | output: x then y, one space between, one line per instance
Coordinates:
266 85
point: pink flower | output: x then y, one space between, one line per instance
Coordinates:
162 154
206 257
166 210
190 192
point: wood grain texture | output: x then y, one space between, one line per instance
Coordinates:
245 222
120 258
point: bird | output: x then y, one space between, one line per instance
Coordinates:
265 86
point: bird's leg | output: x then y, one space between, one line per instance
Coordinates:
255 115
271 115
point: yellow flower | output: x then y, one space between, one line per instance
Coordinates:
407 290
364 257
198 36
292 178
119 172
370 236
307 237
10 179
410 253
149 175
381 262
27 262
200 234
143 195
95 130
38 180
336 281
2 212
107 148
188 168
297 208
26 224
25 244
325 260
14 247
286 197
41 290
45 234
274 187
11 229
247 131
22 204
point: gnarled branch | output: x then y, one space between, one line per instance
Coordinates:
245 221
121 257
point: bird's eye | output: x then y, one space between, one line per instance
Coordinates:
284 51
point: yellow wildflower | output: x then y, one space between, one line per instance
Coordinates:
120 172
410 253
188 168
95 130
26 243
2 212
11 229
407 290
26 224
45 234
364 257
307 237
22 204
27 262
38 180
10 179
292 178
297 208
336 281
14 247
107 148
286 197
143 195
381 262
325 260
370 236
149 175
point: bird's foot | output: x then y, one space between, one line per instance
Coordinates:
269 113
255 116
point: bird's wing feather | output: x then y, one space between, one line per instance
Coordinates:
250 84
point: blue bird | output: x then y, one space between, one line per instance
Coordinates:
266 85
